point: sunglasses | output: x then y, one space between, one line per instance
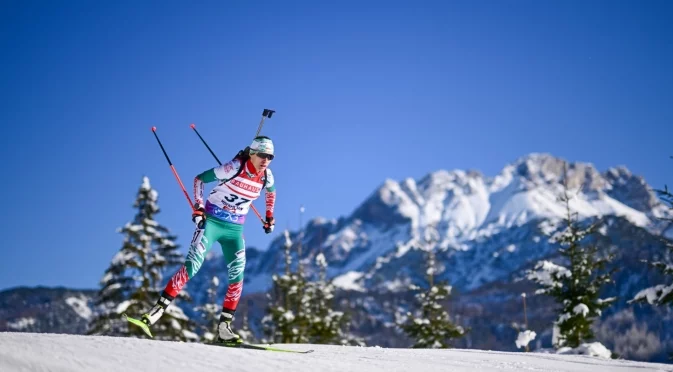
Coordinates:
265 156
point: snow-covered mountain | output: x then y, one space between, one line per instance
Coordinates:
488 226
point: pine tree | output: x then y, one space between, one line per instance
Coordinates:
576 288
286 319
133 281
661 294
430 326
327 325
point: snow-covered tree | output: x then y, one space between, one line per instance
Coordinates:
430 325
287 317
577 282
661 294
210 311
327 325
133 281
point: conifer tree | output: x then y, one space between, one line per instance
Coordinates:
327 325
430 325
133 281
287 320
576 283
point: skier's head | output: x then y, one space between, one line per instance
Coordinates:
261 152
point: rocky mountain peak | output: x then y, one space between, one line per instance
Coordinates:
542 169
630 189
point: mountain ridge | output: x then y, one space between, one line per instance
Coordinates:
466 207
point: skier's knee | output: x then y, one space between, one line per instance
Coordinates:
195 257
236 268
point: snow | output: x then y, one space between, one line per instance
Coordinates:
544 271
146 183
288 241
78 353
107 277
524 338
581 309
403 248
595 349
348 281
149 222
345 239
391 193
80 306
396 285
21 323
122 307
654 294
607 205
379 246
320 260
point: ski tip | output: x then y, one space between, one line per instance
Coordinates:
154 129
192 125
138 323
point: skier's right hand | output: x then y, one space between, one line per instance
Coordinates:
199 216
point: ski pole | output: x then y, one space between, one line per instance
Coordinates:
265 114
219 162
204 142
175 173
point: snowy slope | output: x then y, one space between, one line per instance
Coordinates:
26 352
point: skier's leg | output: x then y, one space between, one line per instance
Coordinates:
233 250
201 243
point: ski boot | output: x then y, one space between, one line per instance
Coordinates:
226 335
148 319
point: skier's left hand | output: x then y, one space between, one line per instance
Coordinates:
268 226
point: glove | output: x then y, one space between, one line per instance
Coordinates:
199 216
268 226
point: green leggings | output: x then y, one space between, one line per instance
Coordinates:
230 237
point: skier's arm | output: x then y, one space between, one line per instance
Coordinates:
270 195
221 173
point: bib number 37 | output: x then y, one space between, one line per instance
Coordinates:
231 198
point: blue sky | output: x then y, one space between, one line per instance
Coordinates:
363 91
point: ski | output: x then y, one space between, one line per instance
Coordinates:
244 345
138 323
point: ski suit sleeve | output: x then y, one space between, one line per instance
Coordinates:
220 173
270 195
